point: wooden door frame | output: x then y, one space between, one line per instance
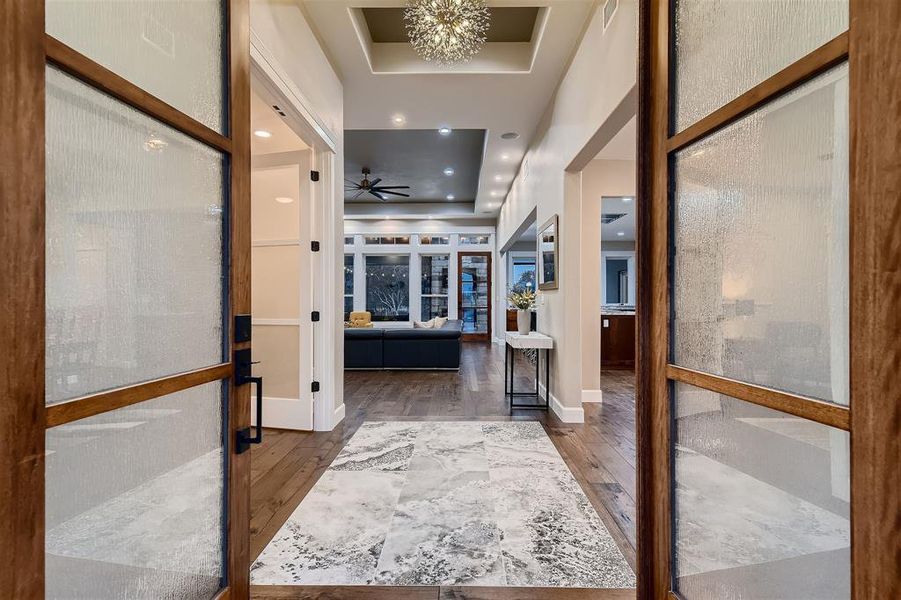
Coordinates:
474 337
872 46
24 418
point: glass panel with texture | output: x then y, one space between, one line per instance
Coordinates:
475 289
388 287
174 50
135 499
434 285
134 220
761 502
723 48
761 268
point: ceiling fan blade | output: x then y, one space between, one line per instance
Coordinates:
377 195
394 193
374 182
393 187
357 195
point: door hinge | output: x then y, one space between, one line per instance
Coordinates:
314 245
314 175
314 316
314 387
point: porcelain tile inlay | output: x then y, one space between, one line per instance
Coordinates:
445 503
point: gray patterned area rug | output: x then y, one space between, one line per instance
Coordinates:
445 503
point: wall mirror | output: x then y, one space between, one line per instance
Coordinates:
547 254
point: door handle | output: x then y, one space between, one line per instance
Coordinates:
244 438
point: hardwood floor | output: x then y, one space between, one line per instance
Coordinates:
600 452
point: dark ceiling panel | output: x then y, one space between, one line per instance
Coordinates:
417 158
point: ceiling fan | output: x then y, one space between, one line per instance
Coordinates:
372 187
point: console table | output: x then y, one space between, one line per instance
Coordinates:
534 341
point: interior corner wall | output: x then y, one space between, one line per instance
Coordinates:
600 178
602 73
283 29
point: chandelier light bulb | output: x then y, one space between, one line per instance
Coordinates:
447 31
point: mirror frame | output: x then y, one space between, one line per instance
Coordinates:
539 263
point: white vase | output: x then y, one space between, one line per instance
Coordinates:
523 321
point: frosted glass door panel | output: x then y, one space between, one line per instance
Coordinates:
726 47
277 347
174 50
134 245
135 500
761 502
760 278
275 282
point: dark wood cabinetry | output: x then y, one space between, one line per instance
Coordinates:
618 341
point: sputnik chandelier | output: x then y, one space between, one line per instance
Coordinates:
447 31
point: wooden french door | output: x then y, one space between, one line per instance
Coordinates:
474 295
769 326
125 242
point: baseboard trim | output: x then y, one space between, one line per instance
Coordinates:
338 416
283 413
567 414
596 396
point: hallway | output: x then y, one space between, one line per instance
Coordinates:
288 464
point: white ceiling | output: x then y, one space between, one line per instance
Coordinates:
263 117
626 224
431 98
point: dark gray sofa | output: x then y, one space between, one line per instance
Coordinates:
403 348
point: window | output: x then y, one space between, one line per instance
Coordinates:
348 285
388 287
434 240
473 239
522 273
348 240
373 240
434 285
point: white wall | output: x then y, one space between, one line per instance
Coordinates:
601 76
600 178
289 42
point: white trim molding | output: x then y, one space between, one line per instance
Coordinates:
282 413
595 396
567 414
338 415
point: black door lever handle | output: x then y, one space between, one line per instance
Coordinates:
244 439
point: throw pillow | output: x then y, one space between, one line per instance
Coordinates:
430 324
440 322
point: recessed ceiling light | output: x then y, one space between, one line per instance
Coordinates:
284 200
450 196
495 193
445 131
262 133
627 199
510 135
505 157
498 178
398 119
621 233
449 171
